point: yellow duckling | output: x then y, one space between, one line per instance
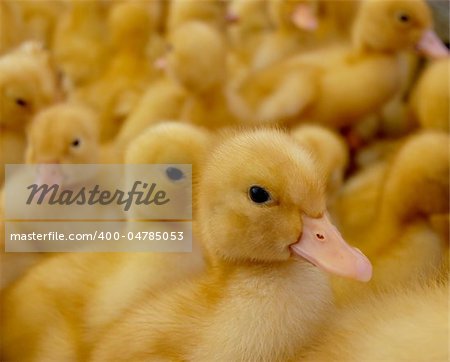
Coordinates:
331 152
106 284
246 33
116 93
40 19
302 25
74 136
212 13
194 90
430 97
59 135
203 78
28 83
11 26
381 30
398 235
293 23
259 299
79 42
407 325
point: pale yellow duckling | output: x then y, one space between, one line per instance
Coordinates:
28 83
11 26
302 25
430 97
194 89
259 299
396 233
246 34
331 152
348 83
212 13
105 284
129 72
203 78
59 135
79 43
40 19
405 325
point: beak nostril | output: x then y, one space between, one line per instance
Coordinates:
320 236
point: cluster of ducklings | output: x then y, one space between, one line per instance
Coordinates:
294 114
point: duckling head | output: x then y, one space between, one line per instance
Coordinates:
59 135
196 57
262 200
169 142
174 147
28 83
330 151
396 25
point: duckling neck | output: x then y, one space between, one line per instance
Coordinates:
278 307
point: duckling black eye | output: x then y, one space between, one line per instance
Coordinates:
258 195
174 173
21 102
404 18
76 142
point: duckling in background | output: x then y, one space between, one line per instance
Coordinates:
79 42
213 13
381 30
28 83
105 284
74 136
40 19
246 33
116 93
202 78
303 25
11 25
259 299
293 21
194 88
408 325
331 153
399 238
73 140
430 97
163 100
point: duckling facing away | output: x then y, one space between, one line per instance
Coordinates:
400 237
259 298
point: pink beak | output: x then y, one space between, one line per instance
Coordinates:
304 17
49 174
431 46
231 17
322 245
160 63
